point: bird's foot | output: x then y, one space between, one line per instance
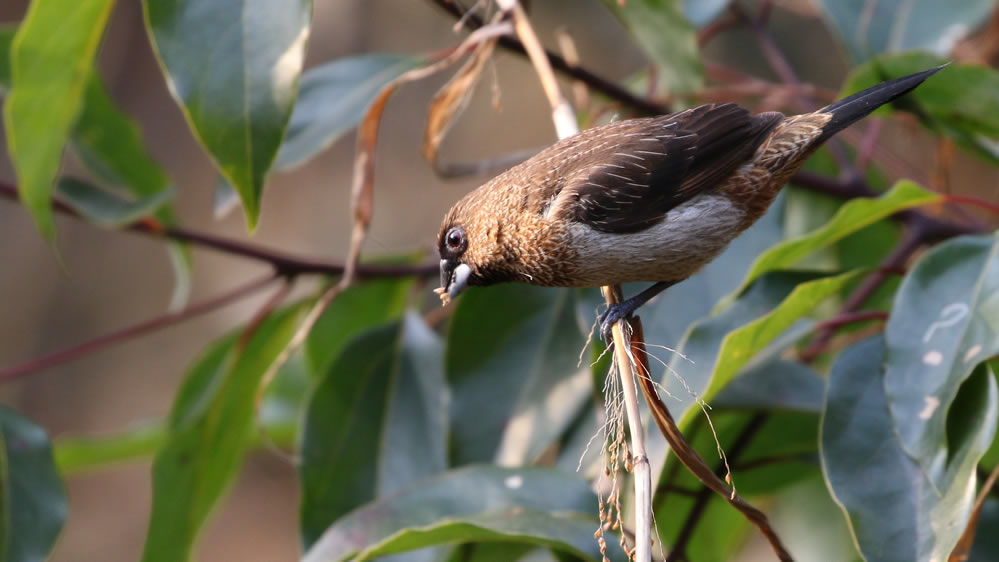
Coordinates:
614 312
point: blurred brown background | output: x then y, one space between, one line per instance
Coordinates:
115 279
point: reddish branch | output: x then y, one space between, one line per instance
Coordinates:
284 264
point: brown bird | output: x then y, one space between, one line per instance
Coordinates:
651 199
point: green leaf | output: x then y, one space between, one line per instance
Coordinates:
7 32
50 58
506 329
234 67
897 508
961 101
210 426
852 216
32 497
868 27
376 423
662 30
531 505
725 344
105 208
334 98
944 322
359 308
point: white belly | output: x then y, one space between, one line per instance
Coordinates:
689 237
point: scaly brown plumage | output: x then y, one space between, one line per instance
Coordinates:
651 199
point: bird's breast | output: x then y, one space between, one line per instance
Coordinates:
690 236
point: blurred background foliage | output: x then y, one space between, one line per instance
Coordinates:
844 343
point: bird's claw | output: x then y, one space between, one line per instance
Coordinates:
614 312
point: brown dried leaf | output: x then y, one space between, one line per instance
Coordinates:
362 190
452 99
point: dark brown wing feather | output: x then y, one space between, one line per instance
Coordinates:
661 162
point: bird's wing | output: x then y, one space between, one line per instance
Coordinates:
652 165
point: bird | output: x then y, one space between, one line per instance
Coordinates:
638 200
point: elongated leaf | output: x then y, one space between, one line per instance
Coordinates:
741 345
662 30
852 216
49 71
869 27
512 356
210 424
105 208
7 32
32 497
533 505
234 67
376 423
720 346
333 99
961 101
359 308
897 508
944 322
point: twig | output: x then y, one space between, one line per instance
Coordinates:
911 241
687 455
678 549
263 312
132 332
640 460
847 318
283 263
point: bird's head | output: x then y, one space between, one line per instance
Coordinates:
452 244
473 245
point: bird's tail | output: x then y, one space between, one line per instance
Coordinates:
853 108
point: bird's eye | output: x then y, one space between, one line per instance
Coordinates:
455 239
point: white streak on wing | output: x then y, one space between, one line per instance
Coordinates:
691 235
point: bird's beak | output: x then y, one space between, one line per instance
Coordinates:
454 279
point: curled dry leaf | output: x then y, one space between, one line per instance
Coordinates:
452 99
362 191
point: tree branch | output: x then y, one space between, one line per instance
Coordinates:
283 263
594 82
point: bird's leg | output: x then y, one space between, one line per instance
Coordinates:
625 308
